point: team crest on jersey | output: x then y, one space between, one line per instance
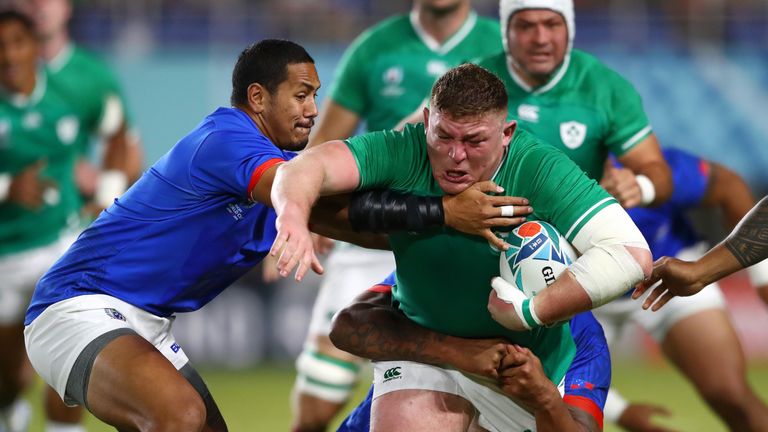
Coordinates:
67 129
573 133
32 120
437 68
392 78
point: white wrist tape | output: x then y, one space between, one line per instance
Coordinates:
758 273
5 186
606 269
615 405
523 305
112 184
647 190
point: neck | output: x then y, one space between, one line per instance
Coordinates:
442 25
532 80
259 120
54 44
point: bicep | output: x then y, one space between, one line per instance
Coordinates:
586 420
336 122
728 191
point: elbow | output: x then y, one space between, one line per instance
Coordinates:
339 335
643 258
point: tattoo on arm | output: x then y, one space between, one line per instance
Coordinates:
374 329
749 241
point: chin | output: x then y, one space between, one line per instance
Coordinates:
454 188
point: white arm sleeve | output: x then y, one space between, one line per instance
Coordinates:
615 405
606 269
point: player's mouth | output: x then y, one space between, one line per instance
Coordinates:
305 127
456 176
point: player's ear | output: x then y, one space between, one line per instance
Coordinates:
509 130
257 95
426 118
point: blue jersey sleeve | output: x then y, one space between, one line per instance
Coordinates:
690 177
589 377
233 162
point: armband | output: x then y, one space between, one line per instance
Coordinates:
386 211
112 184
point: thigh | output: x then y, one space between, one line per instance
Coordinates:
705 345
132 386
421 410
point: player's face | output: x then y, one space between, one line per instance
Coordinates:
463 151
537 40
18 56
292 108
50 16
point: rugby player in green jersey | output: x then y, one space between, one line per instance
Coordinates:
98 96
40 139
384 75
443 275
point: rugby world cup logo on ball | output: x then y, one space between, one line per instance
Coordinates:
537 255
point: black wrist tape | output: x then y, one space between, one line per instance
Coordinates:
387 211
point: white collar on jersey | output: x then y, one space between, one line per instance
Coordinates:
62 58
22 101
546 87
501 162
451 42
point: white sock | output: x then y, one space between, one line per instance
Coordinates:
63 427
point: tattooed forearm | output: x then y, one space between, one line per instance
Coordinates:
387 336
749 241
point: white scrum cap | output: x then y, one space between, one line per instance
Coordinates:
563 7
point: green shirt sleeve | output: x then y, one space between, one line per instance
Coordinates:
393 160
628 121
558 190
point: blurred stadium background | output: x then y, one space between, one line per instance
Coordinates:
700 65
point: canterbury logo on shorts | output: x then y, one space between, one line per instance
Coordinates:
393 373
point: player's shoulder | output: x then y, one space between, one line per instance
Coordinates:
592 70
388 32
494 62
488 25
85 60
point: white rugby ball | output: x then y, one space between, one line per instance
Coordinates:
537 255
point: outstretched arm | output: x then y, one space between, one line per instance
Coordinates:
326 169
745 246
371 328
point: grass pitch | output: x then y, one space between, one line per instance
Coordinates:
257 399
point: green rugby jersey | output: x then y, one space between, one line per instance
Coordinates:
586 110
443 276
93 88
43 126
389 70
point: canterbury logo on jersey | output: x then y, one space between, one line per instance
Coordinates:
392 373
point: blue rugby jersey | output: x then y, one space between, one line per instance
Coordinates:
184 232
666 227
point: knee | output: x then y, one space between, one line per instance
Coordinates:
728 397
186 415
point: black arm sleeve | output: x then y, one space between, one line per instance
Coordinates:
387 211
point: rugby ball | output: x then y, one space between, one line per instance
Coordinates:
537 255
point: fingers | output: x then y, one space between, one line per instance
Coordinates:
665 298
502 200
488 186
654 295
504 221
494 240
